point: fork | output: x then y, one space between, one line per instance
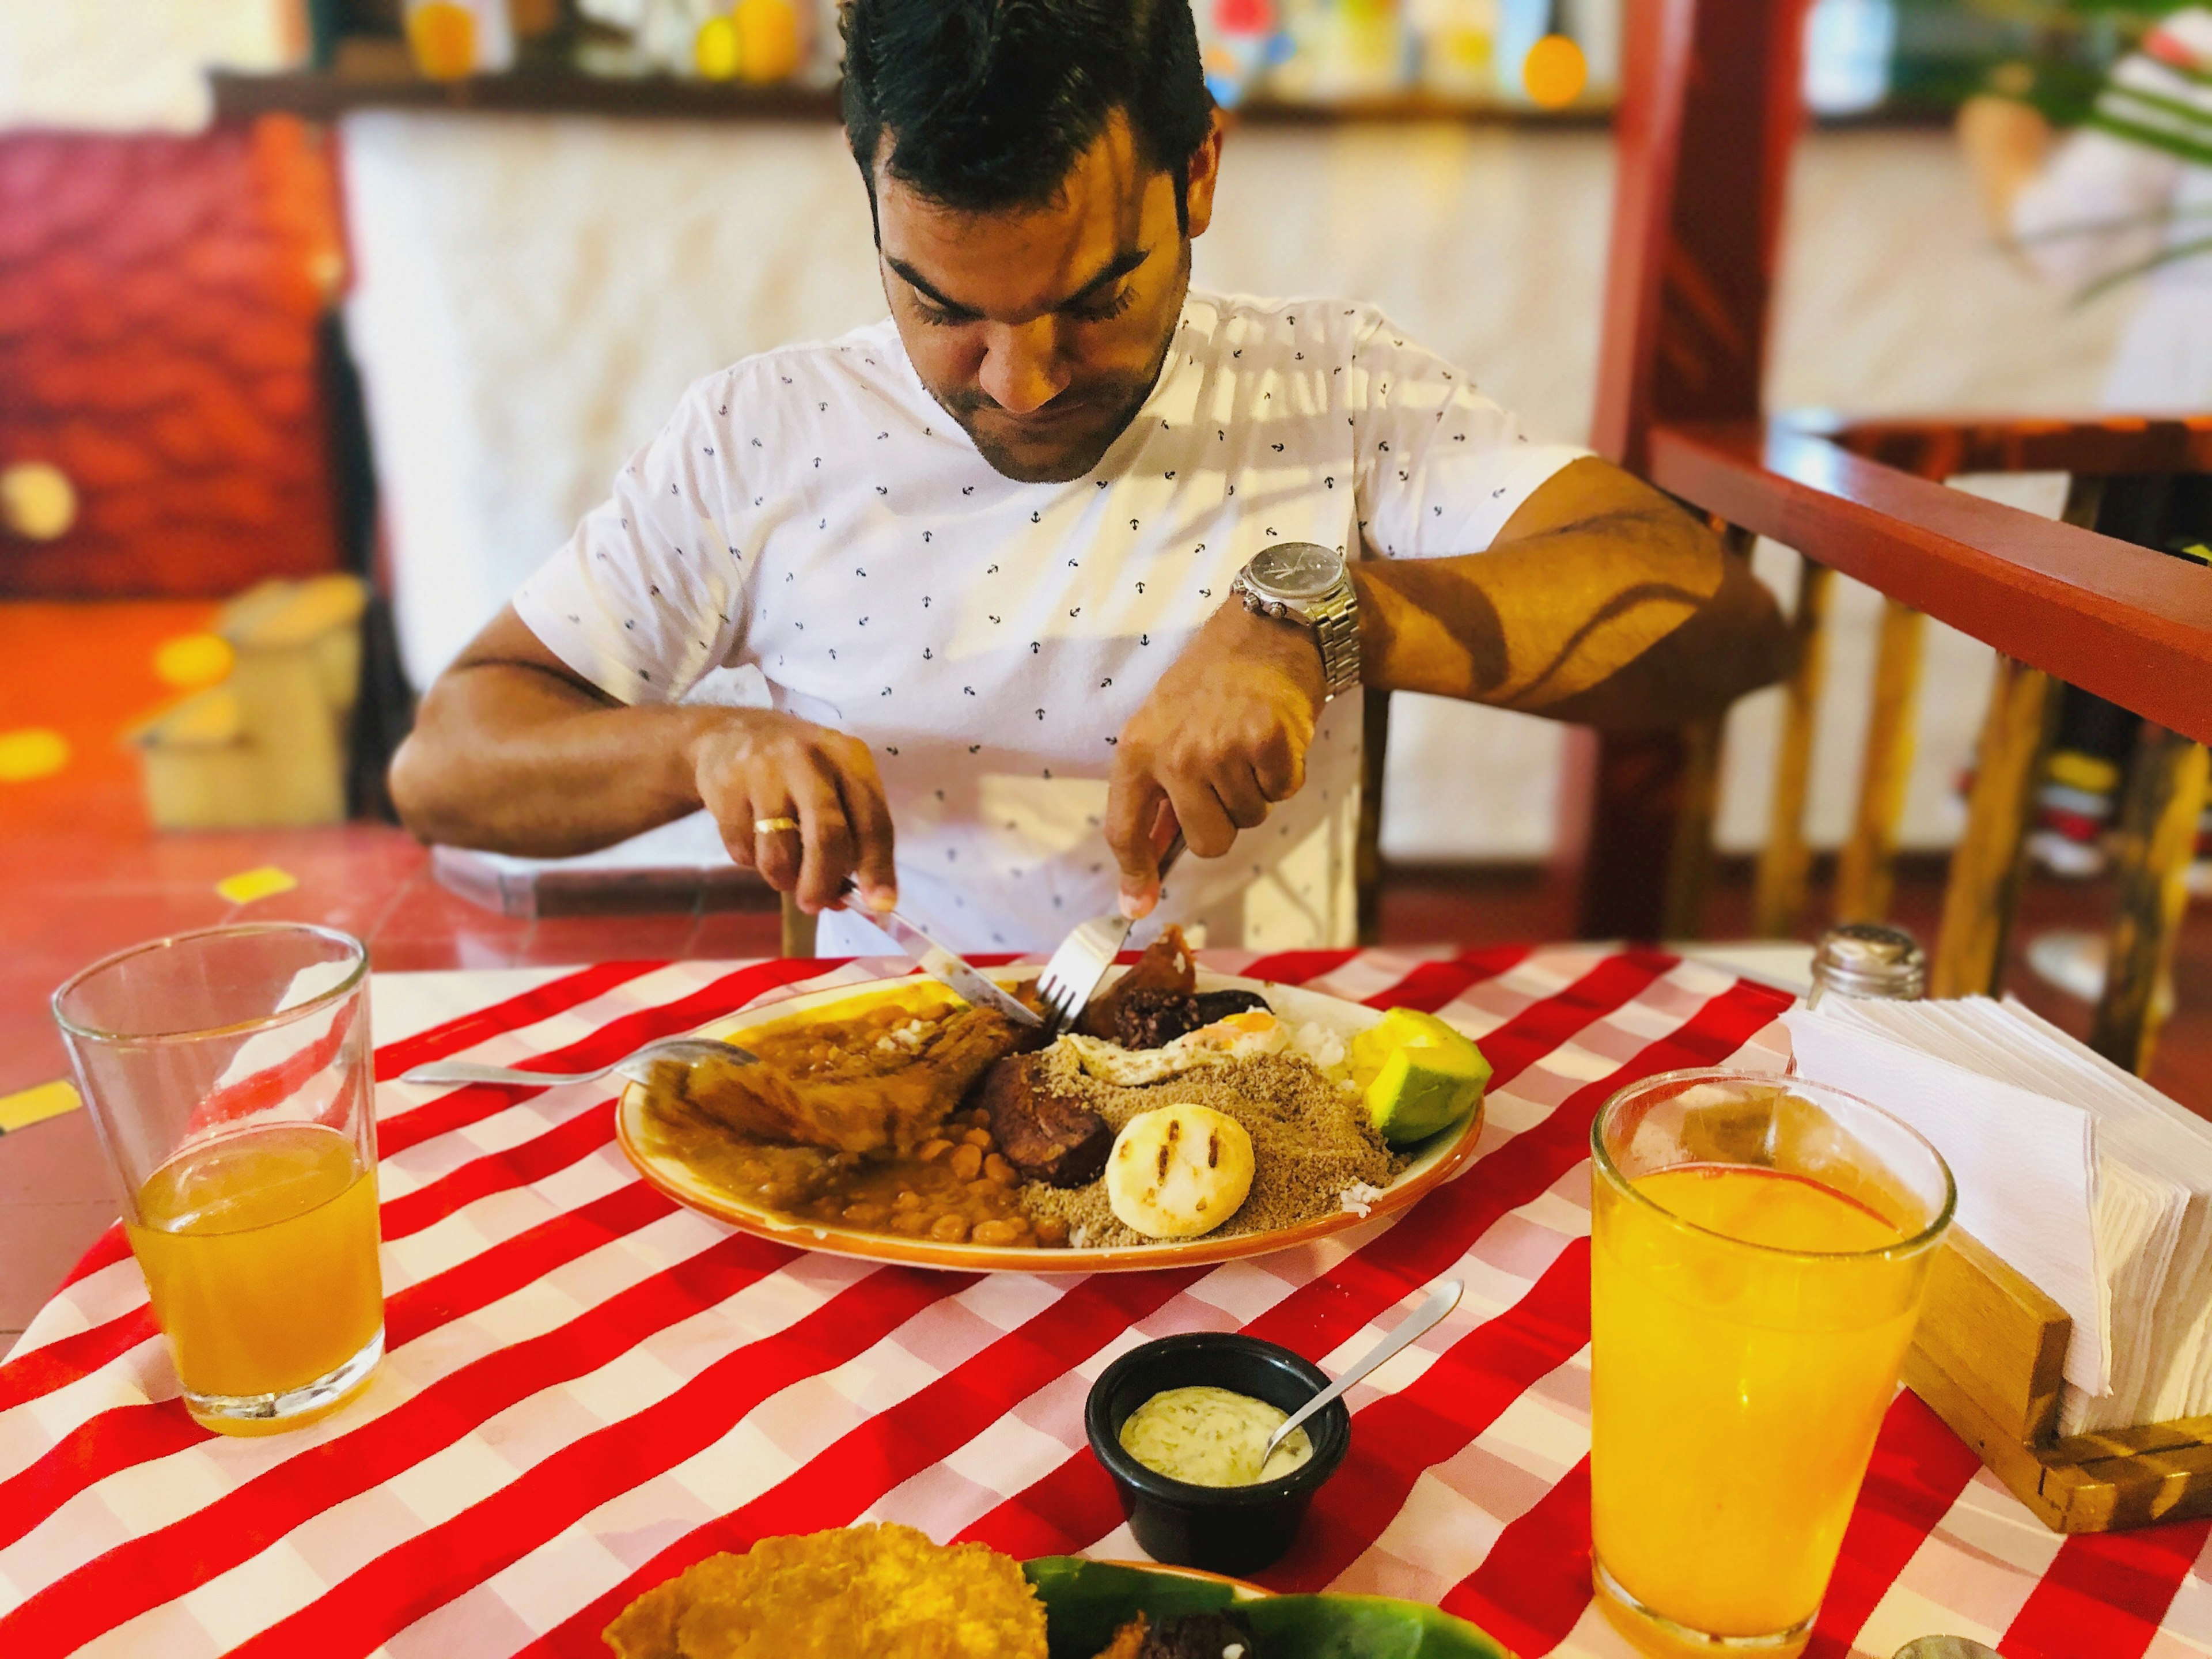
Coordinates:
1073 973
636 1065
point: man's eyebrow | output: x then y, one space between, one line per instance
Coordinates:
1116 268
1119 266
914 279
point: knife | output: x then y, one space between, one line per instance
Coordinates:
948 968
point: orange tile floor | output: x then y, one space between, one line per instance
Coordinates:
85 876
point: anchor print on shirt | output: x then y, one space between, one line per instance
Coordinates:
1002 522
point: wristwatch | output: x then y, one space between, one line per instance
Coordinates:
1305 583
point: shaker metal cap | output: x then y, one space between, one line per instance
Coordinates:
1863 959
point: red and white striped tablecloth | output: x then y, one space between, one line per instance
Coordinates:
589 1387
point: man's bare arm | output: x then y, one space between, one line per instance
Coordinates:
513 751
1601 601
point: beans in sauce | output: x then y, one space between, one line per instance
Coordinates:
954 1187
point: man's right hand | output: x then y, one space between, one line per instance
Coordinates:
755 766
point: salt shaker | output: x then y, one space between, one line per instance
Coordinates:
1862 959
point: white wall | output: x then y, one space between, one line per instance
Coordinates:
532 293
132 65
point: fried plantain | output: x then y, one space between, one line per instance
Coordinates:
885 1592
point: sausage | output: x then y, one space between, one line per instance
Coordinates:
1153 1019
1166 966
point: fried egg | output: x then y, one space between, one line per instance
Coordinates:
1240 1036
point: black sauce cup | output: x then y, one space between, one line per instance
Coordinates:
1226 1529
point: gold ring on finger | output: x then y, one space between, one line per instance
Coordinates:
771 826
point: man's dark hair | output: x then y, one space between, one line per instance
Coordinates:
988 103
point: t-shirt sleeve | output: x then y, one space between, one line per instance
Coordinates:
1441 466
648 595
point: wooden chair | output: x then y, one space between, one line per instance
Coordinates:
798 930
1709 110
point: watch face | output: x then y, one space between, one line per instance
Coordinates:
1294 570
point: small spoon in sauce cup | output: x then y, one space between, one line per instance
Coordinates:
1442 1300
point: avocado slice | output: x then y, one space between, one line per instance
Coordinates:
1417 1074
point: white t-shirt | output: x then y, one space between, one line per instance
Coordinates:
813 512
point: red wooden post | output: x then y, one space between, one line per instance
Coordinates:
1709 109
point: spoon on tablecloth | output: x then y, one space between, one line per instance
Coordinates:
1442 1300
1944 1647
638 1063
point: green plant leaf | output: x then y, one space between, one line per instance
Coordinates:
1362 1627
1086 1602
2112 279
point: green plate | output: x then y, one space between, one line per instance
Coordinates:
1086 1602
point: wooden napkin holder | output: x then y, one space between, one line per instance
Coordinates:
1986 1359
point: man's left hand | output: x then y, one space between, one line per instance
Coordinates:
1221 739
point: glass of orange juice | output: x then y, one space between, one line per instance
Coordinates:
1759 1245
227 1073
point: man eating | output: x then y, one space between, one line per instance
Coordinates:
1064 555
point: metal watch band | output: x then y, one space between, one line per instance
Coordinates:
1335 618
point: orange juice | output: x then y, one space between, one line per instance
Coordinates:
259 1252
1735 1392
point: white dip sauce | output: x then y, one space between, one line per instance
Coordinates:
1211 1437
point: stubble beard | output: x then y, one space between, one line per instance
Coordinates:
1120 398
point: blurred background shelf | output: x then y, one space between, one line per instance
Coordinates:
376 74
382 81
370 73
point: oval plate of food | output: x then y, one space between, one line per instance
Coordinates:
1193 1118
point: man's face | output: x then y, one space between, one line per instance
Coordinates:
1041 329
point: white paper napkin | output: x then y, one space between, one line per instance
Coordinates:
2026 1164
